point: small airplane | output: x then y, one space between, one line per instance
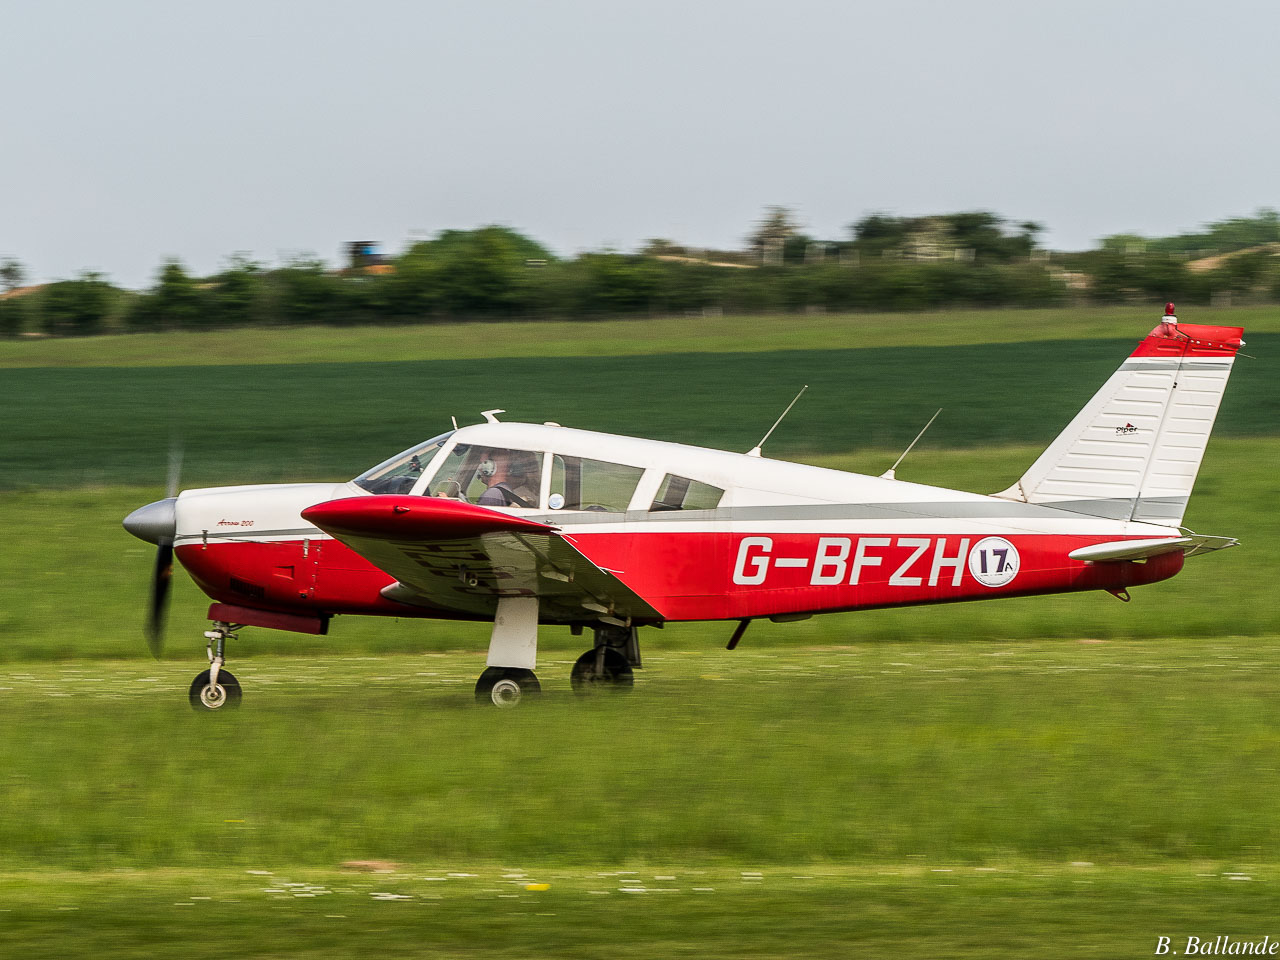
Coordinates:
524 524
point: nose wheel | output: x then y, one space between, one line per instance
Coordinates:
206 694
216 688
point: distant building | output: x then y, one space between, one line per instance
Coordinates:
364 257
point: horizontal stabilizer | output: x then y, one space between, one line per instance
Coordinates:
1142 549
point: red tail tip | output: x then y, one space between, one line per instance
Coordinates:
1168 309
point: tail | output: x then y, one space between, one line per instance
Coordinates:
1134 450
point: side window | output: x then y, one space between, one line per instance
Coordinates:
581 484
681 493
490 476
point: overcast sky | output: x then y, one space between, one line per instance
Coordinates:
141 129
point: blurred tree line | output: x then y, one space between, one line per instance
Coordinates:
973 259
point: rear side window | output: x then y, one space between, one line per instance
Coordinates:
681 493
581 484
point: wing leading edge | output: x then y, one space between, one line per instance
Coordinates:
462 557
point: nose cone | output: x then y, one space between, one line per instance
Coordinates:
154 523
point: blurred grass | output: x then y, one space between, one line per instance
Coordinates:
944 754
1027 910
93 426
697 333
73 583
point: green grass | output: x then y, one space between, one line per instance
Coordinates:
1027 910
1124 752
951 799
463 341
71 427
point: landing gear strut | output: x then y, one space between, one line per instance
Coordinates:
216 688
608 665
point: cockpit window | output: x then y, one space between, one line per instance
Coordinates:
581 484
401 472
489 476
681 493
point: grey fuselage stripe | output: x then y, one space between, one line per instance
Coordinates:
1122 508
242 534
993 509
1188 365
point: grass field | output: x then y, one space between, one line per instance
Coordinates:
1027 910
94 426
963 799
1039 777
691 334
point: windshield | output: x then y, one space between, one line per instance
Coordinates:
401 472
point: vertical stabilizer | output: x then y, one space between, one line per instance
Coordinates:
1134 450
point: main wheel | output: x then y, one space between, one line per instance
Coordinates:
599 669
224 695
505 686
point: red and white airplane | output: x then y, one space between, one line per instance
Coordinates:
525 524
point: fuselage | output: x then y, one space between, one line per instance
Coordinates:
701 534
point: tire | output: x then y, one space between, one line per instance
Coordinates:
205 700
614 672
505 687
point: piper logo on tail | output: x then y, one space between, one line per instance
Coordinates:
1126 429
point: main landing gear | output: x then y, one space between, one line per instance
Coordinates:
505 686
607 665
216 688
509 678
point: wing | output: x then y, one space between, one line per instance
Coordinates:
462 557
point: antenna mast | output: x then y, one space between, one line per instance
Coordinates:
755 451
888 474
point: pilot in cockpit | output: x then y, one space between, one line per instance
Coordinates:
512 477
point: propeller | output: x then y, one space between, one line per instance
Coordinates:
161 578
157 523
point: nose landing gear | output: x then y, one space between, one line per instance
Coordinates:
216 688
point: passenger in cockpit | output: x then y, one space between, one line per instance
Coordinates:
512 476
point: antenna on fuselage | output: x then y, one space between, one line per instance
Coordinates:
888 474
755 451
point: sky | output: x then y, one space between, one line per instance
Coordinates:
140 130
